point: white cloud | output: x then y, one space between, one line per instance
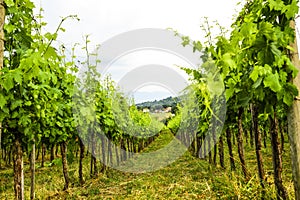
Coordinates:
146 57
153 88
104 19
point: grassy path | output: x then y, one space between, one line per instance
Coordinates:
186 178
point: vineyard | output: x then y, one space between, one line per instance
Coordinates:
64 136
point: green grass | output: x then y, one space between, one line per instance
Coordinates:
186 178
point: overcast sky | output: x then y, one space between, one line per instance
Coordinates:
103 19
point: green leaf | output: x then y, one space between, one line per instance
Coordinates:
268 109
18 76
197 46
291 68
9 3
2 101
62 29
288 99
59 124
185 40
283 76
48 35
244 100
257 83
229 93
266 29
30 5
265 55
276 5
259 94
215 87
24 120
28 103
272 81
275 50
291 10
43 76
50 53
289 93
5 110
15 114
248 28
16 104
254 74
292 89
8 83
10 28
229 61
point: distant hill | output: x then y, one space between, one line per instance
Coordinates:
159 104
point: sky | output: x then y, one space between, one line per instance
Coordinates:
103 19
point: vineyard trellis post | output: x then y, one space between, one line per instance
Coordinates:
294 122
2 21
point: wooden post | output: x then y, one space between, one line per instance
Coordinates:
18 170
63 150
32 169
294 122
2 21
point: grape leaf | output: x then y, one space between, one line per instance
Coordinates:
272 81
2 101
276 5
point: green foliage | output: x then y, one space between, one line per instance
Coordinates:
36 85
174 122
253 62
254 65
159 104
38 97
